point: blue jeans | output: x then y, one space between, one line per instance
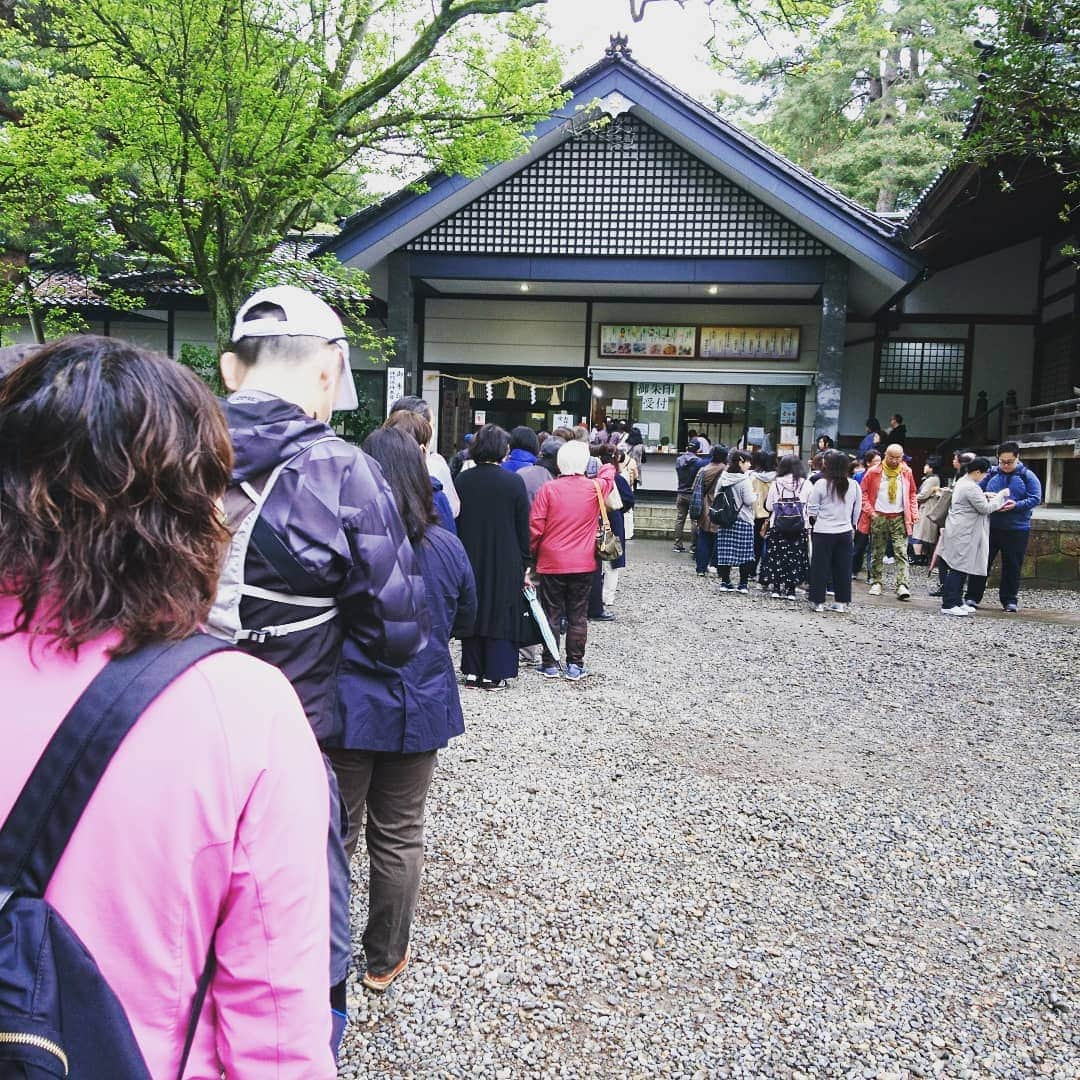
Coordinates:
1012 544
704 550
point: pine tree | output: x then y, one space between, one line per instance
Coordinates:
871 98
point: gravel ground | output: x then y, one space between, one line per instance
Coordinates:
749 847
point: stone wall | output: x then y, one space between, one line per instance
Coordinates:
1053 555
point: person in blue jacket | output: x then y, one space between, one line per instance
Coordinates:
524 449
396 719
1010 530
872 439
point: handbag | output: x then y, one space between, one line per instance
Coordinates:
613 500
608 546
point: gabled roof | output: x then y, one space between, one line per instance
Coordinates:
974 208
838 222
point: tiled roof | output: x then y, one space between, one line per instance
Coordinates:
69 288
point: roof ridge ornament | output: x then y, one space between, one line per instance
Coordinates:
619 47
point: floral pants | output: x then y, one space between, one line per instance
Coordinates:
882 529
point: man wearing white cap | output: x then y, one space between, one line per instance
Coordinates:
327 571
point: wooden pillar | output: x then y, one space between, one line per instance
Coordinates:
831 347
401 318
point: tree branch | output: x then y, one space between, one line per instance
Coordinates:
387 81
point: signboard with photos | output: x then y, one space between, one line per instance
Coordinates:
647 340
706 342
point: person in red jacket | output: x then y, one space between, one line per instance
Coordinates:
889 509
562 528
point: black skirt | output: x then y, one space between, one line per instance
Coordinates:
786 565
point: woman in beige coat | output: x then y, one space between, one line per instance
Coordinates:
924 534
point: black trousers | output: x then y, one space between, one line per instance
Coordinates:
831 561
1012 545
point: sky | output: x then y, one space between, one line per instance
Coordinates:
670 40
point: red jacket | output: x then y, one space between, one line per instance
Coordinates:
562 526
871 485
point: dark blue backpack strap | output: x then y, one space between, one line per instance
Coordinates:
37 830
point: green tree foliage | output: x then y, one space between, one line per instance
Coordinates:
199 132
871 96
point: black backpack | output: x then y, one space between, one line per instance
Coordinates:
58 1016
724 509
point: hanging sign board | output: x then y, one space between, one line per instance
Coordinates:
716 406
562 419
480 417
647 340
654 402
789 413
755 436
789 435
619 404
395 386
750 342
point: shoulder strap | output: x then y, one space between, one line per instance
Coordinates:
603 507
48 809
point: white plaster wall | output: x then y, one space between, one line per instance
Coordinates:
927 416
504 333
1003 360
1004 282
855 387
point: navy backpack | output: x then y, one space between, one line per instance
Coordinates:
58 1016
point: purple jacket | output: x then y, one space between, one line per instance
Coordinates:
339 525
416 708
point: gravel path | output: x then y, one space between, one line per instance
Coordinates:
748 847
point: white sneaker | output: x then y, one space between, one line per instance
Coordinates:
960 611
875 590
819 608
775 595
903 593
889 560
840 608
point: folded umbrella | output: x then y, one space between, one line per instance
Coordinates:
537 612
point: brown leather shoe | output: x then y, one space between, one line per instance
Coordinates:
381 983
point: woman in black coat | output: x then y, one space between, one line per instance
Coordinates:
494 527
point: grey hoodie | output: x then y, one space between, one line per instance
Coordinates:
744 492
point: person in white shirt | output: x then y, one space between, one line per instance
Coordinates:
436 463
835 505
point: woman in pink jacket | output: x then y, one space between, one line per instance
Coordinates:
209 824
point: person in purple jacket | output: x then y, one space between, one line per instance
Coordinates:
329 527
395 720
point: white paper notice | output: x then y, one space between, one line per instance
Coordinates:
395 386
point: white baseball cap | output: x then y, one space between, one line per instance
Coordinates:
306 315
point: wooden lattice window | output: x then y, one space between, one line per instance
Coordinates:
928 365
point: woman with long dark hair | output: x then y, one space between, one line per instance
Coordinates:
735 541
494 527
787 565
834 507
397 719
208 829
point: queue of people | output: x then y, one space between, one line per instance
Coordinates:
787 531
240 767
138 514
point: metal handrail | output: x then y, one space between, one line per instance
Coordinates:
981 420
